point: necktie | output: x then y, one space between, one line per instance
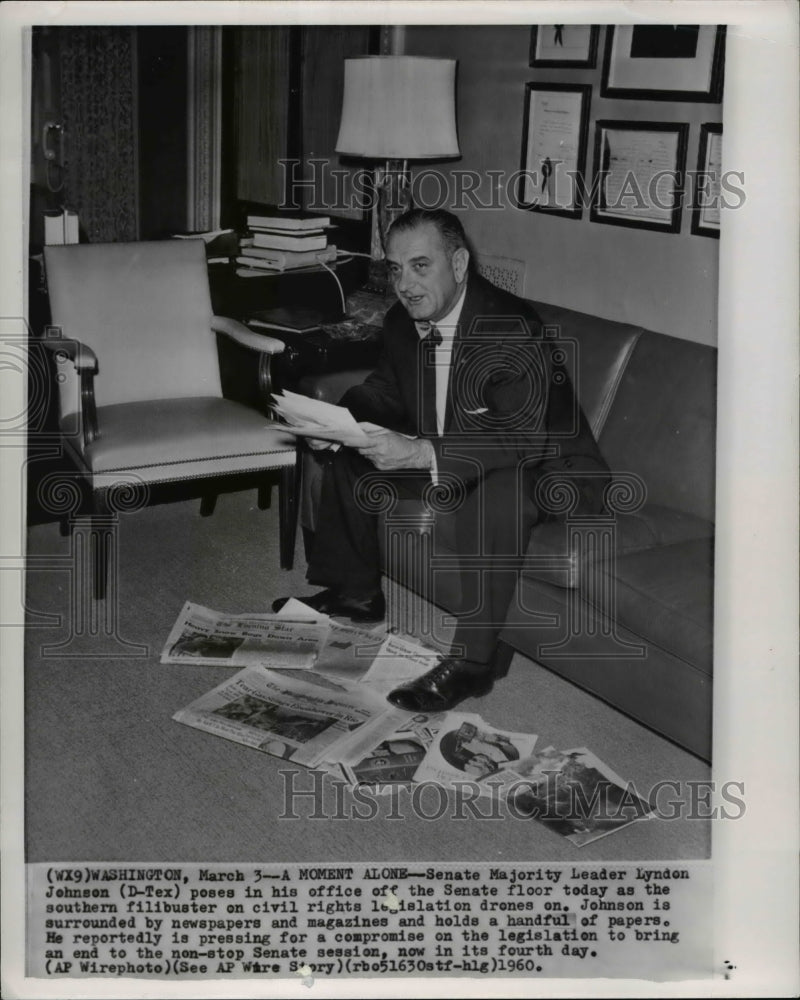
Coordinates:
430 342
433 336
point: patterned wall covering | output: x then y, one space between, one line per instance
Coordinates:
98 97
205 128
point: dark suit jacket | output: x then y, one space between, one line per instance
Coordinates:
502 365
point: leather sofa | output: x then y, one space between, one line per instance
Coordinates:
622 604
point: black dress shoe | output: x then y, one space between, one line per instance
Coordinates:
443 687
330 602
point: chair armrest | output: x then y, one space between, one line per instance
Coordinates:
265 347
83 358
247 338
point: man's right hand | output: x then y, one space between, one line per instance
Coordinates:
318 444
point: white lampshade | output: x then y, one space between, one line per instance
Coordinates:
398 108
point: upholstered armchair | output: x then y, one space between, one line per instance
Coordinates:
140 402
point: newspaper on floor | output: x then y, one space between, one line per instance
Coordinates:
368 655
349 650
573 793
284 715
201 635
399 660
467 748
387 753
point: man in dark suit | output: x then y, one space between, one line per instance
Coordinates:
468 396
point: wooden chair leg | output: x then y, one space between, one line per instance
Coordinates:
288 513
101 536
208 503
265 496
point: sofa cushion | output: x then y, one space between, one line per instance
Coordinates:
665 595
662 424
647 528
598 353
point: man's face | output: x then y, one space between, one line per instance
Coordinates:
426 280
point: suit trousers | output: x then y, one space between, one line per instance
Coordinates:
492 529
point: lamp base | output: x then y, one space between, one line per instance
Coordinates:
392 198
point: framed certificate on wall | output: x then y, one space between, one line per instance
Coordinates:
554 139
707 204
638 174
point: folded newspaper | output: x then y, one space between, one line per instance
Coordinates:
283 715
201 635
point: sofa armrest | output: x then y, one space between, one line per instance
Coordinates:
650 527
331 386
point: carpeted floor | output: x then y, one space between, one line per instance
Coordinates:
109 776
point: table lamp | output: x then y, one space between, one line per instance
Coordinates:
396 109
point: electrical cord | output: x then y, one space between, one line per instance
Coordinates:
338 284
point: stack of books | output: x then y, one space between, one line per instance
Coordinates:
284 243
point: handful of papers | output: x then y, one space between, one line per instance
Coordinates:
315 418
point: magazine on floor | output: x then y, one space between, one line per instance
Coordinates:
284 715
573 793
201 635
389 752
467 748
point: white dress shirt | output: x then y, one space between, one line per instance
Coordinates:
447 327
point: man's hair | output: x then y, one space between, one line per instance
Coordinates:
448 225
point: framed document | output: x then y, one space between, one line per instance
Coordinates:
638 174
554 138
564 46
664 62
706 205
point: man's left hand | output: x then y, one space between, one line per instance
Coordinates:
388 450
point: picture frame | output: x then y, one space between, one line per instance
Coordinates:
639 170
554 141
564 46
706 192
664 62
